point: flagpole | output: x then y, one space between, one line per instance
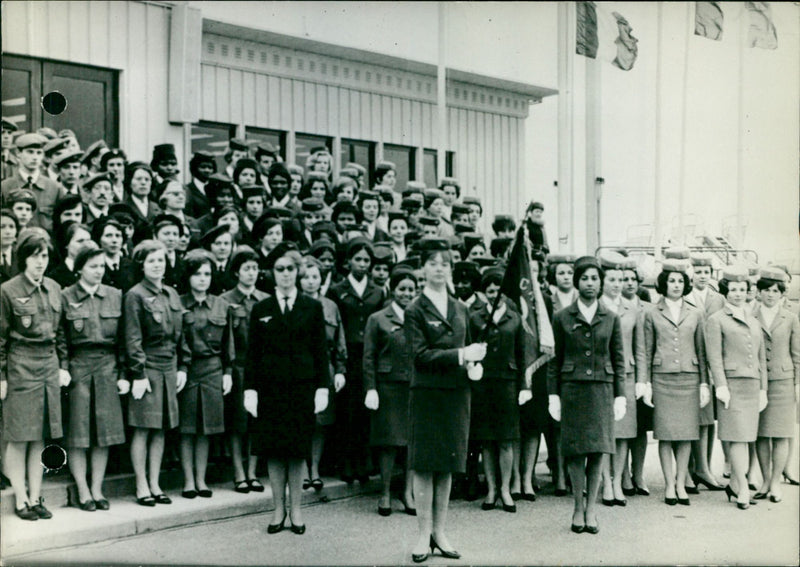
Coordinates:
441 96
657 224
593 142
684 136
519 240
566 125
740 134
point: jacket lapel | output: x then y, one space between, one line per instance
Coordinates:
664 310
431 311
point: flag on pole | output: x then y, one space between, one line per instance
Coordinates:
605 35
708 20
762 32
519 286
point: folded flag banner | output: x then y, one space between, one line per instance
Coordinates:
605 35
761 33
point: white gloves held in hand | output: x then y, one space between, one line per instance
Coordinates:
762 400
181 380
251 402
475 352
705 395
321 400
227 384
123 386
524 397
474 371
338 382
139 387
554 407
63 377
371 399
619 407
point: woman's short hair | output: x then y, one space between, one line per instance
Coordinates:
427 255
8 214
99 228
400 276
170 183
67 204
246 163
145 248
357 245
71 228
131 169
29 242
724 286
341 183
766 283
312 262
553 268
242 255
580 269
220 212
193 261
87 252
661 283
297 260
636 274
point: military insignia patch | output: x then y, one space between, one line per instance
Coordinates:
266 319
23 300
157 317
78 324
26 321
435 324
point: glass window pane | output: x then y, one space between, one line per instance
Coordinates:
17 98
360 152
304 143
274 137
212 138
401 157
429 161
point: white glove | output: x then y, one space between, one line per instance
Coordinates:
640 390
762 400
227 384
474 371
524 397
181 382
474 352
619 407
371 399
648 395
123 386
338 382
139 387
705 395
724 395
321 400
554 407
3 389
251 402
63 377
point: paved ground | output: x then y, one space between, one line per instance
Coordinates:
349 531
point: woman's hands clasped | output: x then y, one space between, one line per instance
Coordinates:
371 399
475 352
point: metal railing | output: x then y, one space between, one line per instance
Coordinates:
726 255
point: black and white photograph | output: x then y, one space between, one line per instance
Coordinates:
399 282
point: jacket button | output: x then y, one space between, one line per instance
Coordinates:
587 335
588 353
769 348
588 371
675 338
677 361
675 349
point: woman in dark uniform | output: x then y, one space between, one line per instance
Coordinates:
33 366
386 377
153 330
75 237
737 359
357 298
587 376
286 381
9 228
494 422
91 322
109 234
437 331
675 371
219 242
777 422
337 359
242 298
208 356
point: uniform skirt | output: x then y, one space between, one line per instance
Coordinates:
285 423
777 419
587 418
95 411
201 404
439 429
235 414
157 409
533 416
495 410
328 417
32 408
389 423
676 397
739 423
626 427
352 417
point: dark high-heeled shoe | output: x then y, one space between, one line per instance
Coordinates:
387 511
609 502
453 554
622 502
511 508
640 491
760 496
306 483
670 501
577 528
408 509
299 530
789 480
709 485
488 505
561 492
530 497
774 499
275 528
684 502
691 490
629 491
731 494
742 505
419 557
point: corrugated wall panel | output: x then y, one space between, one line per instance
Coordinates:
222 94
249 98
416 121
311 122
99 41
78 20
157 95
427 123
274 102
397 117
287 103
51 39
321 108
366 116
208 104
261 101
375 116
117 33
333 105
235 97
137 78
355 115
345 125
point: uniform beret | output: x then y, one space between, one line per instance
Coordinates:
317 176
386 165
383 254
433 244
163 152
472 200
319 246
485 262
535 205
360 241
411 262
462 228
499 246
410 203
587 262
431 195
55 144
238 144
278 169
367 195
773 273
465 269
68 157
736 273
675 265
459 209
324 228
386 193
249 191
30 141
357 166
265 148
278 252
165 219
295 169
429 221
67 133
95 179
22 196
471 240
449 181
202 156
396 215
312 205
492 275
677 253
319 150
350 172
121 211
700 259
612 260
553 259
47 132
262 225
209 237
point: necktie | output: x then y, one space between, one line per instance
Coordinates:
285 306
